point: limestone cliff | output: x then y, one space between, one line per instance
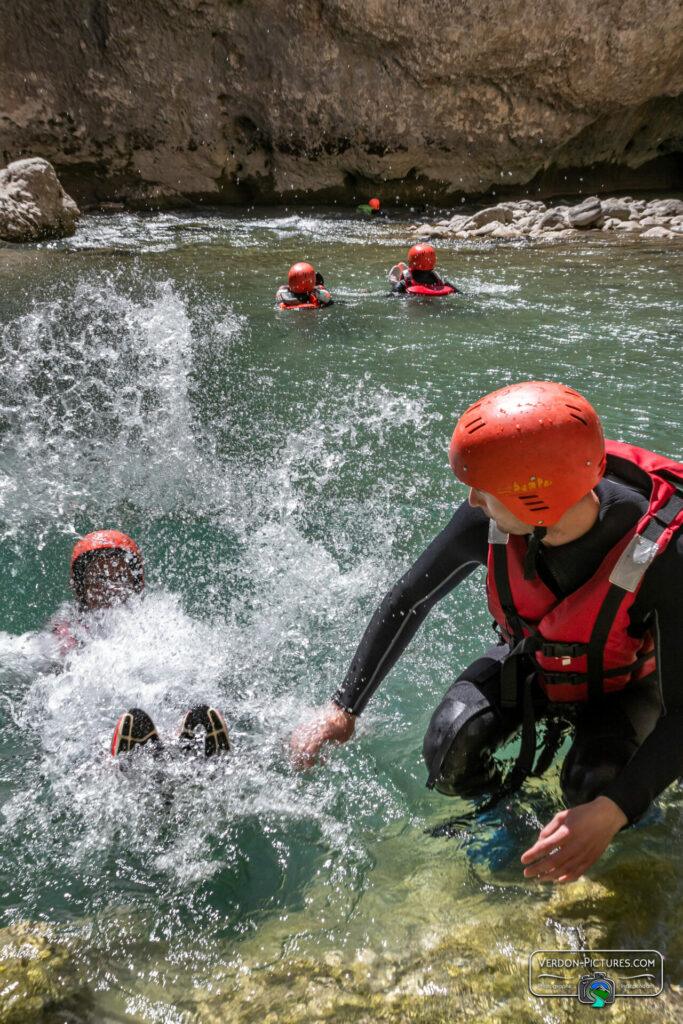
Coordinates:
229 101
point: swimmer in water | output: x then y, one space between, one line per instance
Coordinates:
304 289
419 277
373 208
107 571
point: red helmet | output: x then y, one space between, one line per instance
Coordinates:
537 447
104 540
422 257
301 278
374 204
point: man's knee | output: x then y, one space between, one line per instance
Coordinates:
459 743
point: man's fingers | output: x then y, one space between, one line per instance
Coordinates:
553 824
553 867
545 845
553 862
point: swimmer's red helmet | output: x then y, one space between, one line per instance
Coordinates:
537 447
422 257
104 540
301 278
374 204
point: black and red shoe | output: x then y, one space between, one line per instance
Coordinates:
133 730
215 728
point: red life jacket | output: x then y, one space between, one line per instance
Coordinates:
288 300
412 288
581 643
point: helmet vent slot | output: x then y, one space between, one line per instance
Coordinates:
575 412
476 424
533 502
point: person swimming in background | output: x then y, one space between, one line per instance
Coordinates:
373 208
304 289
419 277
107 571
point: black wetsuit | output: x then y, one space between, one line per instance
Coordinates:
429 278
629 748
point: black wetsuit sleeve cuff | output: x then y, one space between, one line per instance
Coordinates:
344 705
633 804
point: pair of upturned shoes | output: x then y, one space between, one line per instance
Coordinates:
135 728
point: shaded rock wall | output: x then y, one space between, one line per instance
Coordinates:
229 101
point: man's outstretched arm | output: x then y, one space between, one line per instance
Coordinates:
460 547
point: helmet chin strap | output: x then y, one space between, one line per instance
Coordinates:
532 551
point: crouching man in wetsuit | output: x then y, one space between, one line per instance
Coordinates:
107 571
584 552
304 289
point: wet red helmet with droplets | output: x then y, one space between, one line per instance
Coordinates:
422 257
301 278
374 204
537 447
104 540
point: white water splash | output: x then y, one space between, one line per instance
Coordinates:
95 405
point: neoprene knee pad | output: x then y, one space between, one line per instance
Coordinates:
458 746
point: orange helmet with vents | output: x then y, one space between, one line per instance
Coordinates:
537 447
301 278
422 257
104 540
374 204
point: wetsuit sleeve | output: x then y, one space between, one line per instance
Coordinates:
452 555
659 759
398 288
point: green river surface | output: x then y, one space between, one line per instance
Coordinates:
280 471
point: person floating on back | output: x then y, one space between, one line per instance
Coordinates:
135 729
304 289
419 277
106 572
373 208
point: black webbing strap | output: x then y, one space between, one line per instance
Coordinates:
533 545
598 639
510 670
666 515
507 603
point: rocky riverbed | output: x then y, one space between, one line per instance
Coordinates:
660 219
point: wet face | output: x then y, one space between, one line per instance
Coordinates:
494 509
109 579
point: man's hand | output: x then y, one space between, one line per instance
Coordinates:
572 842
330 724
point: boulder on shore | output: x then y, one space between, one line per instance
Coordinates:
33 204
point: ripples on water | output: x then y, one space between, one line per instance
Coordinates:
279 473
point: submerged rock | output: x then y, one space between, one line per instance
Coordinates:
36 973
33 204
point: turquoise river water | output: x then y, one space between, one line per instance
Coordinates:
279 471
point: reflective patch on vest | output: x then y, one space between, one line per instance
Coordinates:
497 536
633 563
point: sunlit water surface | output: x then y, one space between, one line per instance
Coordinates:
279 471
